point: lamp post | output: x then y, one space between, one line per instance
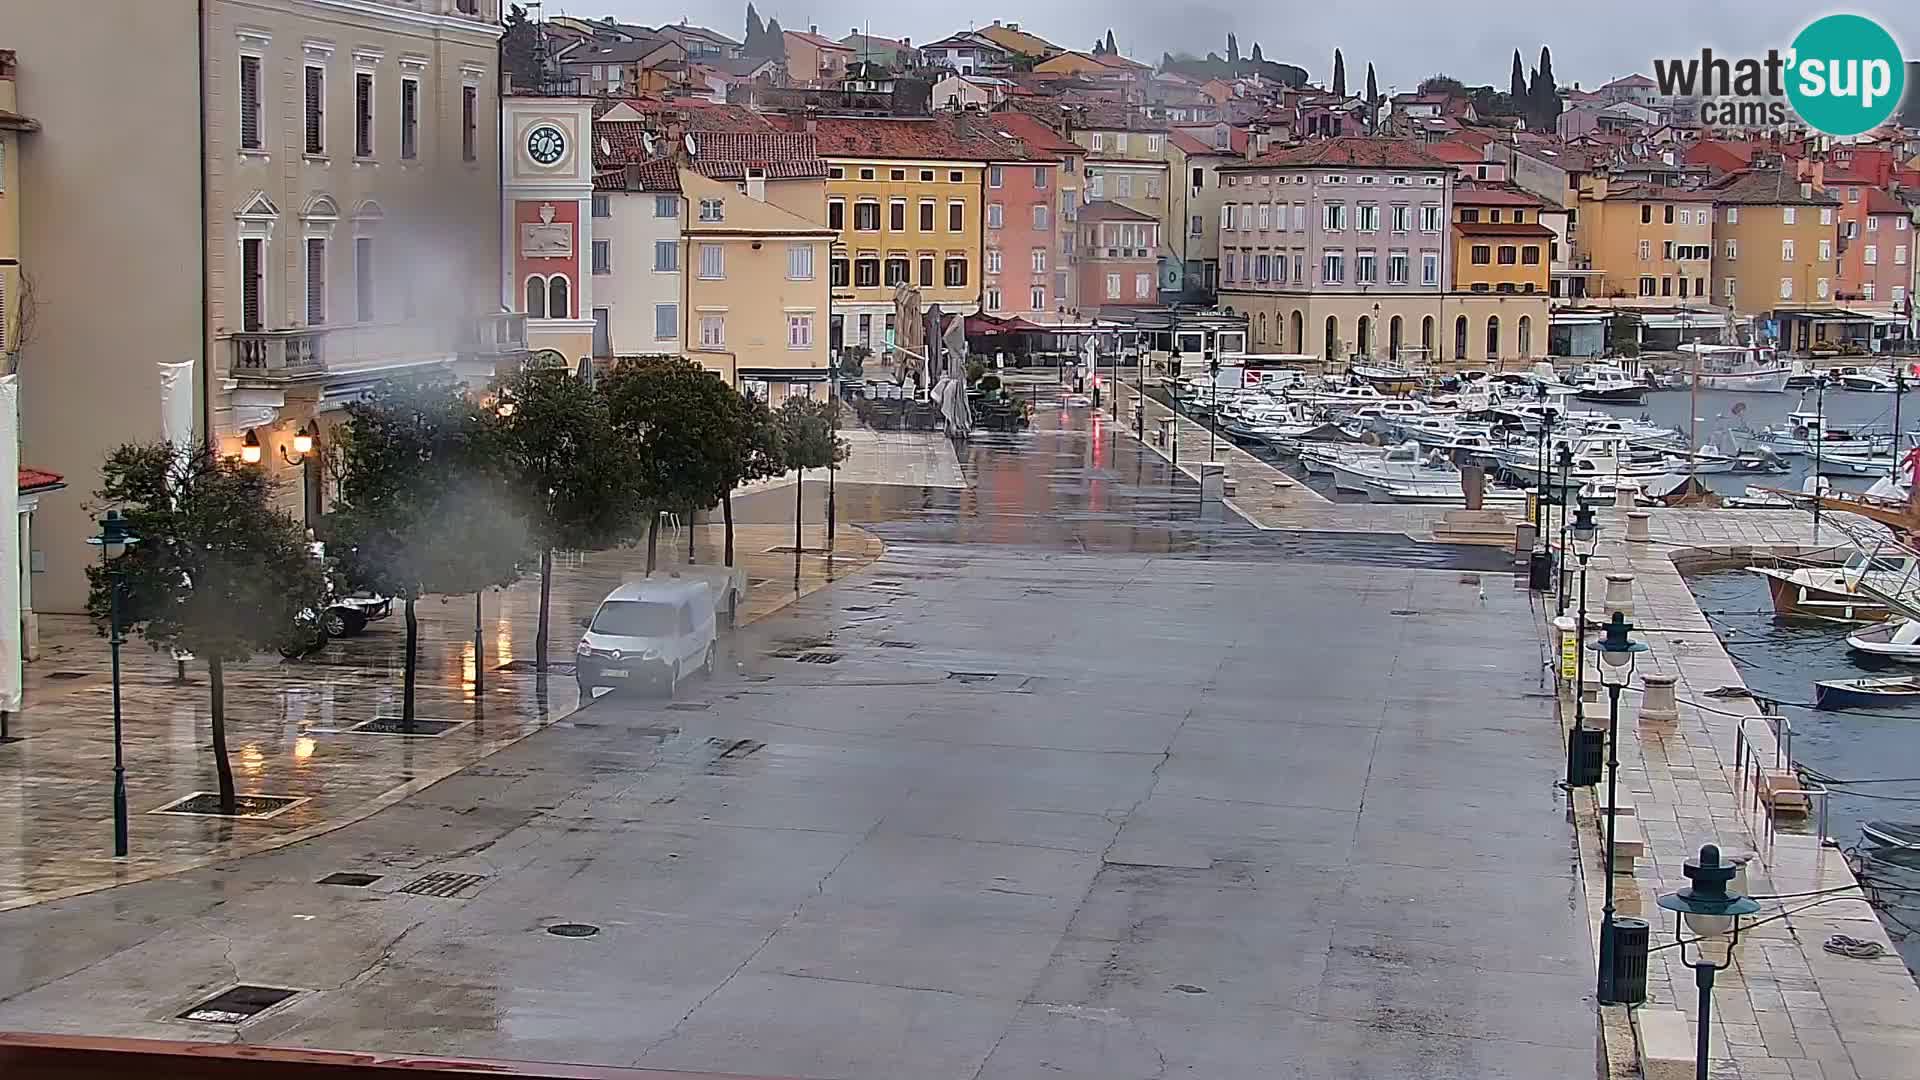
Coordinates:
304 441
1710 909
1616 650
1566 480
113 541
1173 362
1819 437
1213 407
1586 537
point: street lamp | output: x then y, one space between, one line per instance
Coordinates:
1710 909
250 448
1819 437
113 541
1586 537
1213 407
1566 479
1617 651
1173 364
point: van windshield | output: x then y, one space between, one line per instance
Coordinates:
636 618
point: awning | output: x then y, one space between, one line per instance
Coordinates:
1568 318
983 325
1697 320
781 374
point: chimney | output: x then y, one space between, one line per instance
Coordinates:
757 184
907 41
996 22
813 118
632 178
813 29
1013 26
1254 132
1806 191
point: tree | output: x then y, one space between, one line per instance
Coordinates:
750 450
1257 58
1544 95
1517 82
564 466
518 56
1373 102
756 34
1441 84
217 571
424 506
808 439
1339 74
1233 48
774 45
673 417
1111 49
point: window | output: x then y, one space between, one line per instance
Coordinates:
1733 215
1646 251
713 261
1262 267
316 105
1787 214
799 262
992 260
840 273
1733 286
1866 289
1786 249
1300 267
1227 266
866 271
536 297
926 214
799 330
1113 286
1142 286
1646 214
1365 271
363 281
1039 181
1038 298
1396 268
1482 255
866 216
250 103
1519 217
1042 217
713 210
363 114
1683 288
1246 217
316 281
926 271
713 331
666 206
926 176
1226 217
1153 144
1733 249
956 217
1649 287
1469 214
1263 216
1900 255
666 255
469 123
252 284
1826 250
1871 254
1299 217
602 206
897 271
1508 255
1666 286
1530 255
836 172
409 119
956 275
1120 142
1430 218
1826 218
1332 268
897 174
1334 217
836 214
897 215
1402 218
1153 187
1668 213
1899 294
1873 223
1786 288
1666 250
1196 225
995 215
603 256
993 298
1039 260
866 174
666 321
1429 268
1899 224
1097 140
1123 186
1820 287
993 176
955 176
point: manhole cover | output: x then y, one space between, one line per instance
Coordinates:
351 880
757 677
554 667
573 929
818 658
1403 611
64 675
207 804
899 644
238 1005
443 884
393 725
972 676
691 706
737 748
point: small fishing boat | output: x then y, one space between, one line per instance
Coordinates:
1746 368
1871 693
1893 834
1895 639
1610 385
1865 380
1826 593
1855 464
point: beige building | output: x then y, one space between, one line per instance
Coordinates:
334 221
1775 251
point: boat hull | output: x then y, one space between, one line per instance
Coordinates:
1622 395
1865 693
1797 598
1766 381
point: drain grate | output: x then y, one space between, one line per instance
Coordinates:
691 706
554 667
573 929
737 748
62 676
445 885
818 658
394 725
973 676
350 880
207 804
238 1005
1403 611
898 644
757 677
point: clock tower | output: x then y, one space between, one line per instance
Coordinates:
547 220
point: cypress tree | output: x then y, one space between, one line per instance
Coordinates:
1339 74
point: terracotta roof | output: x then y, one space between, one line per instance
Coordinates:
1767 187
1456 152
817 41
726 155
16 122
1635 79
1353 151
699 113
1503 228
1879 202
1838 175
1107 210
952 137
1638 192
1472 193
658 175
1034 132
1115 116
1193 144
39 480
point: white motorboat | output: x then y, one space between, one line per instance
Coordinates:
1608 384
1895 639
1865 380
1353 472
1831 464
1319 458
1751 369
1804 428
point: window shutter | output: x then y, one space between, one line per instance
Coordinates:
316 110
316 281
250 102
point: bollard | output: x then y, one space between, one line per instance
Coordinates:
1659 705
1619 597
1213 477
1524 535
1166 431
1623 498
1637 527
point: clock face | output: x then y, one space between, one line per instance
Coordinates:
546 144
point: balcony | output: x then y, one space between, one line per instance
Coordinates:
278 354
358 349
500 334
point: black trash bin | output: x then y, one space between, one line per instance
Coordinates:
1540 572
1630 948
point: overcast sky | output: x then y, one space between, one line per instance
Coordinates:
1406 40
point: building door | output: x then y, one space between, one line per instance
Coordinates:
602 333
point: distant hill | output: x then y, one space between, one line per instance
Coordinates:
1212 67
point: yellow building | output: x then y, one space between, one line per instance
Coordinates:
756 283
1497 307
1775 249
1647 241
12 126
904 199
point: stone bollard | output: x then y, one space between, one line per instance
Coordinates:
1165 432
1213 480
1623 498
1619 597
1637 527
1658 705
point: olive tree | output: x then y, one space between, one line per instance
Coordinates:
677 421
808 441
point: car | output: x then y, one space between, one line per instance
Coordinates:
648 634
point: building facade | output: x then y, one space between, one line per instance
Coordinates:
1875 248
1502 264
548 227
1062 281
1336 246
1646 243
637 256
1118 265
1020 252
1775 249
1194 159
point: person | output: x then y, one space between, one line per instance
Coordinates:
1096 389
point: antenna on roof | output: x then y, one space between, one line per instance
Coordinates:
693 148
646 141
606 147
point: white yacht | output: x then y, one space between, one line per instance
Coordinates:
1865 380
1803 429
1751 369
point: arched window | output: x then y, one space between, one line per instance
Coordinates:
536 297
1299 332
1393 338
1363 337
1493 337
1426 337
557 307
1460 338
1526 337
1333 338
1260 335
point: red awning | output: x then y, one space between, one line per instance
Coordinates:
984 325
39 480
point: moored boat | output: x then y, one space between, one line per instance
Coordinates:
1869 693
1895 639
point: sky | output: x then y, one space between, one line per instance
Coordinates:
1406 40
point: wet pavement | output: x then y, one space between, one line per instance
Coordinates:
1074 782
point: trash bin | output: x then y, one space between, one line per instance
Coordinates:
1540 571
1630 948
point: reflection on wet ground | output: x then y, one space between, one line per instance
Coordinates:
1077 482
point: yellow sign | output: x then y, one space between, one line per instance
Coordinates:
1569 655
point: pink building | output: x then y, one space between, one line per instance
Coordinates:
1058 285
1876 244
1018 252
1119 257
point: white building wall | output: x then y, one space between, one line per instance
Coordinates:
633 291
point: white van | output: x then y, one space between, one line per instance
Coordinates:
652 632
